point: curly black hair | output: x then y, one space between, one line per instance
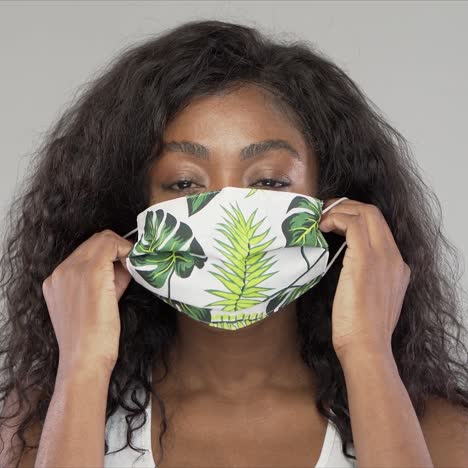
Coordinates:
90 173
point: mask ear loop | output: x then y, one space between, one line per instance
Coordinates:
344 243
130 233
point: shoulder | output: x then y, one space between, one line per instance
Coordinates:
445 429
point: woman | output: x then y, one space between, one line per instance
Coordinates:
364 368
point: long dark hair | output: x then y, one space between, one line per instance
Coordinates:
91 173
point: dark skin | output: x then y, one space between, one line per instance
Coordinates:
257 384
245 398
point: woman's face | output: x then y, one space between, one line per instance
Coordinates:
216 142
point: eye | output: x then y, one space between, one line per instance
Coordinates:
186 184
183 184
271 183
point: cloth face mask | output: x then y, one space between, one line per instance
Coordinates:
231 257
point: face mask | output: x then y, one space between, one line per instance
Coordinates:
231 257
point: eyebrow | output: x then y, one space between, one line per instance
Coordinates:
254 149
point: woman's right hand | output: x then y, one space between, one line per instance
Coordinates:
82 296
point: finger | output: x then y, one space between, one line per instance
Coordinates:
105 246
380 235
122 279
352 226
48 294
123 262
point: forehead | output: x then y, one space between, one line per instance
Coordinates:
234 119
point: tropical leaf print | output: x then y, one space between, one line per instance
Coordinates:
220 319
161 246
198 201
301 229
251 192
245 265
214 318
290 294
197 313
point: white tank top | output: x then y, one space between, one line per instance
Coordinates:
331 455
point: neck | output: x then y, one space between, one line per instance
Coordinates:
233 364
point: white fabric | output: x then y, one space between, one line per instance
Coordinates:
231 257
331 455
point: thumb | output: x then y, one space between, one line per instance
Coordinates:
122 278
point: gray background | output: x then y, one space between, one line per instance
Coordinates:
410 58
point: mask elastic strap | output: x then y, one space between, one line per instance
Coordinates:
334 203
344 243
131 232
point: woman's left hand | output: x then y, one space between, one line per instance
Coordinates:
372 282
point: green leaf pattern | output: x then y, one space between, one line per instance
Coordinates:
301 228
243 265
161 247
198 201
246 263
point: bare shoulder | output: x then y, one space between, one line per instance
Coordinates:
445 429
10 448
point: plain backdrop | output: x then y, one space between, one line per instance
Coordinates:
410 58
